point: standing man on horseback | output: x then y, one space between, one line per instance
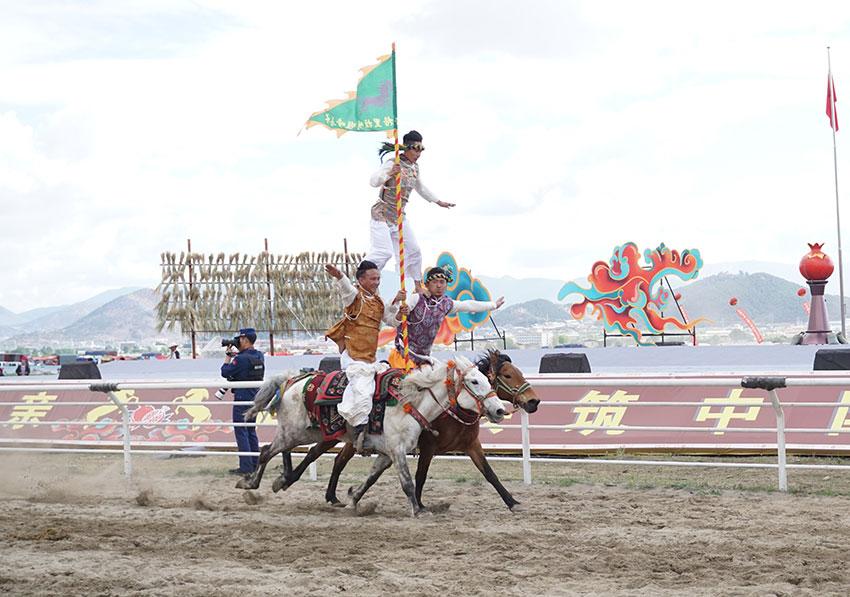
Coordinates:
356 335
427 312
383 232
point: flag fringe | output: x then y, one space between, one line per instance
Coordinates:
350 95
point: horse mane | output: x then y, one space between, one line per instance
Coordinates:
483 363
424 377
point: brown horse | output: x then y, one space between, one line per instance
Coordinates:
458 430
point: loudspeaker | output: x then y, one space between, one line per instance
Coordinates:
565 362
328 364
87 370
833 359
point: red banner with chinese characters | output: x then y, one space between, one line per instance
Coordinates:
194 416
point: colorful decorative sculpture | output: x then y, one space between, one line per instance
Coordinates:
464 287
627 296
816 267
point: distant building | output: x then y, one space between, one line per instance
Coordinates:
533 338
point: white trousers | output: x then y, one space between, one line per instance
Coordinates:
357 398
383 245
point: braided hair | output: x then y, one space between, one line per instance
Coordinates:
406 141
439 272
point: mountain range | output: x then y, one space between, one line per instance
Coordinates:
520 290
52 318
767 299
128 314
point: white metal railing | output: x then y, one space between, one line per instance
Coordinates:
554 380
109 388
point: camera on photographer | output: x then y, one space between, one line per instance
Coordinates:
232 346
245 365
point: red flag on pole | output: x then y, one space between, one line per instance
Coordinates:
831 99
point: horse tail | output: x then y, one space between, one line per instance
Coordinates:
266 393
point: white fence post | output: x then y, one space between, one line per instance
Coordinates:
125 418
314 471
780 440
526 449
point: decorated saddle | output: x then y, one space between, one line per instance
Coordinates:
323 393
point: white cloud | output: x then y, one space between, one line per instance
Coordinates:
559 129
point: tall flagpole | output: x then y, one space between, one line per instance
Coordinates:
400 218
834 118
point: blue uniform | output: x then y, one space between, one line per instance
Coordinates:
248 365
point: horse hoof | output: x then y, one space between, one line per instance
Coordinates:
279 484
422 512
336 503
516 508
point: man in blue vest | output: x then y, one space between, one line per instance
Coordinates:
246 365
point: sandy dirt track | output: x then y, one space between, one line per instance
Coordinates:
72 526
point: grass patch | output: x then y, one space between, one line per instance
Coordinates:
820 492
200 472
641 485
754 488
698 488
559 481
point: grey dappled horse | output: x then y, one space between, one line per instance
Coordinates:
426 390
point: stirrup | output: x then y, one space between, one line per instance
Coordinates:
359 443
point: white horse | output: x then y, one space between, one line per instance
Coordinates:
425 395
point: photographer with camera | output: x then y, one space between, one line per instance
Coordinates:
245 365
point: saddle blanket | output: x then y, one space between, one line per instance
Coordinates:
323 393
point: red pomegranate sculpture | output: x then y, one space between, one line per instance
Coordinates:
816 265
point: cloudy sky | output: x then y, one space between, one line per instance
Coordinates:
560 129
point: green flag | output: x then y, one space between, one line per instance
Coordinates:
371 108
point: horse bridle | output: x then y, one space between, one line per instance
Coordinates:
453 396
513 393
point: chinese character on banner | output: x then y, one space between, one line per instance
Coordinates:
602 413
35 407
840 421
727 413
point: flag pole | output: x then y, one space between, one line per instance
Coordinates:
834 118
399 219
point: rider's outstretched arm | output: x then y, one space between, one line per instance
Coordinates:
473 306
426 194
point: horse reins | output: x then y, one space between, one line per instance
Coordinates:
479 403
453 395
